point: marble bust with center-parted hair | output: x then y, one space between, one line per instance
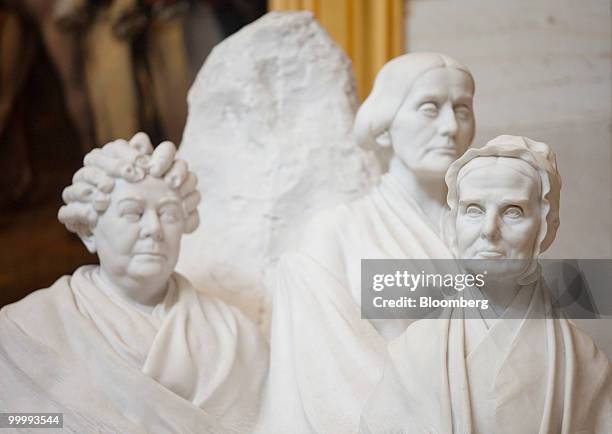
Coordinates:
129 345
420 111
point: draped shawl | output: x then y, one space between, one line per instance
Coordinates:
326 359
192 365
539 374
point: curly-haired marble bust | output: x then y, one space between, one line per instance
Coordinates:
131 204
129 345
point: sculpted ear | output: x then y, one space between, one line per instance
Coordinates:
384 139
88 239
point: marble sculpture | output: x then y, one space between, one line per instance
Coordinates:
264 168
129 345
525 369
325 359
290 210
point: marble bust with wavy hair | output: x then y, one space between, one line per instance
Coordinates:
92 185
131 204
130 344
393 83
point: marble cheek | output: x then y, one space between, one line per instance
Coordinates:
498 214
435 123
139 235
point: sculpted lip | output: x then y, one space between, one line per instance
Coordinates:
490 254
447 147
151 254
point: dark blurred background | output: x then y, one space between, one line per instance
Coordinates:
75 74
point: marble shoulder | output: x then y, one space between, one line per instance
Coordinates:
40 314
419 343
327 221
419 334
231 314
39 303
225 309
586 349
322 234
594 374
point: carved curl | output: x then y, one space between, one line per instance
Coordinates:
90 192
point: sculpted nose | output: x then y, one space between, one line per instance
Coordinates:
490 229
151 226
448 122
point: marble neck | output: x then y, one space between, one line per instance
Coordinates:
141 296
428 192
501 293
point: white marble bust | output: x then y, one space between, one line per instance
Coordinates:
129 345
420 109
522 367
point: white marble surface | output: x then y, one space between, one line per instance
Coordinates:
269 136
130 330
467 364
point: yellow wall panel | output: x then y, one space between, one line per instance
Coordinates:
310 5
334 16
370 31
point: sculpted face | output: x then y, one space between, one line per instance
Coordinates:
435 123
498 216
138 237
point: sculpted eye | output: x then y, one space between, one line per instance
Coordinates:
513 212
132 214
473 211
170 214
463 112
429 109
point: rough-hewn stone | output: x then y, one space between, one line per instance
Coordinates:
269 135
